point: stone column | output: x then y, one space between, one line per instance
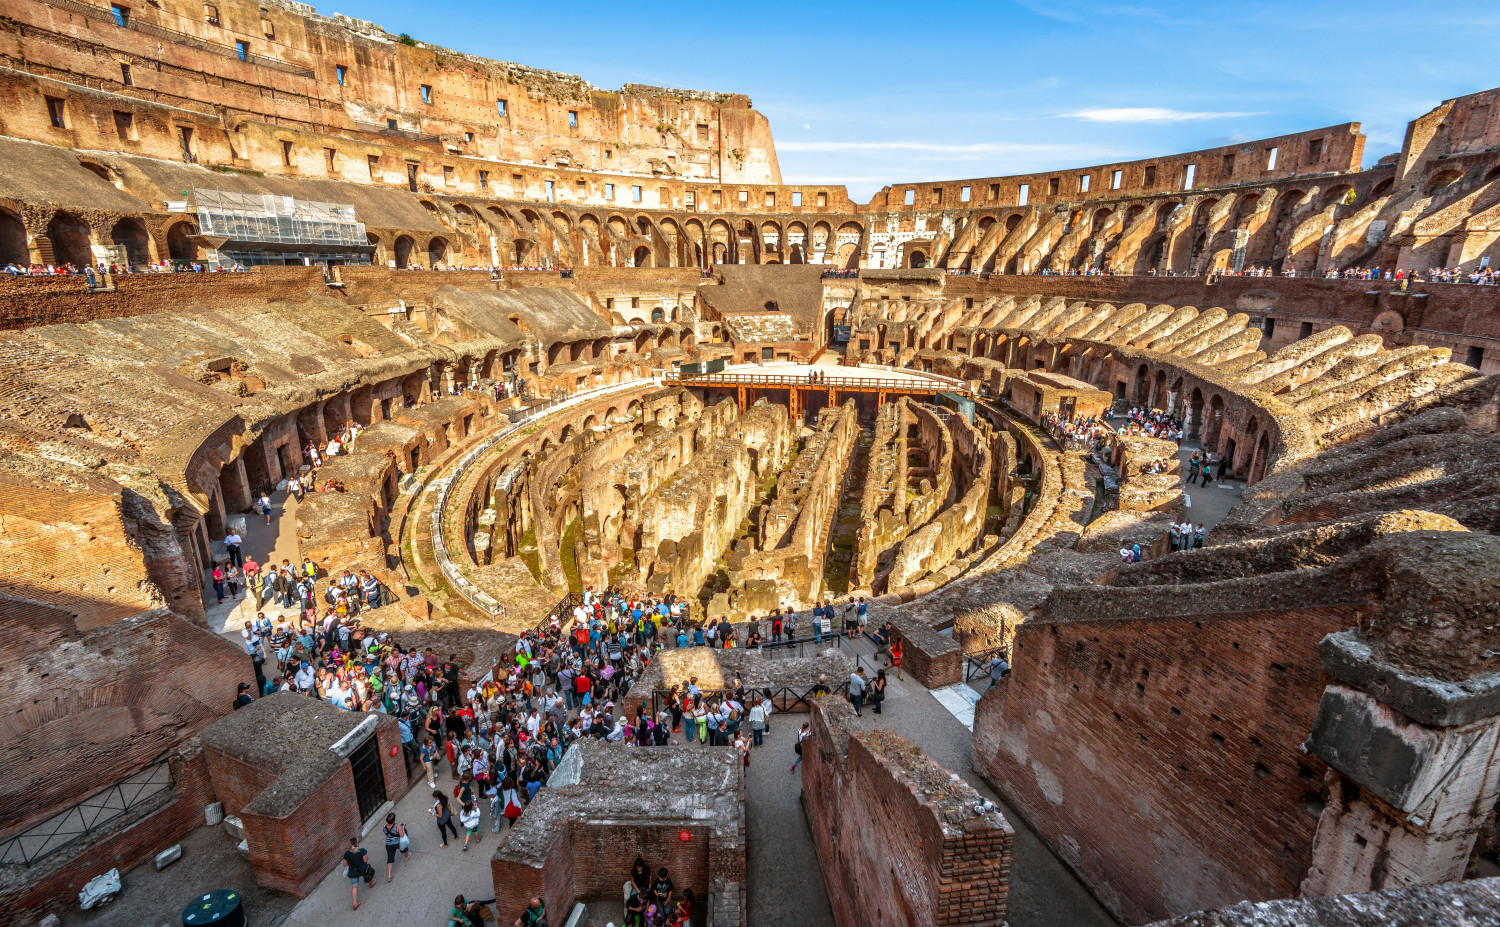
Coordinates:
1413 740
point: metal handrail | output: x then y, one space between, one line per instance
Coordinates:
916 384
93 814
977 665
445 484
783 698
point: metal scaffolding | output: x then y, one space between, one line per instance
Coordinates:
251 217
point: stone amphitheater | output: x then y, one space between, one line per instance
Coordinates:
589 340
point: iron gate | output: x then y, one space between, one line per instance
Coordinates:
369 777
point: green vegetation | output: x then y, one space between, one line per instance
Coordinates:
530 555
407 40
568 551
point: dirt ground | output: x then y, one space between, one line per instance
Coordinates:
209 862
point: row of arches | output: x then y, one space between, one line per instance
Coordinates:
69 238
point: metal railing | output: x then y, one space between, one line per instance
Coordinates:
563 612
977 665
181 38
444 486
917 383
783 698
93 814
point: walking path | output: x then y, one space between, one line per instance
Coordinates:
422 890
1208 505
263 544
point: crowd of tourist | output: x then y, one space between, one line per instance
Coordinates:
111 269
500 737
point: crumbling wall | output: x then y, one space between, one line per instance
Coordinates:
956 529
1456 904
688 524
900 839
795 527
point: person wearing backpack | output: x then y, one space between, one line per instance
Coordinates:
357 868
395 840
801 736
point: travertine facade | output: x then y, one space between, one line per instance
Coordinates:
1301 708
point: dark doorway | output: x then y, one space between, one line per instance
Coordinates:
369 777
416 459
288 461
385 408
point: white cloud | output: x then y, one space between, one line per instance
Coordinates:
1150 114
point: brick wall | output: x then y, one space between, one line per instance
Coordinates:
602 854
28 301
29 893
1160 757
897 838
292 853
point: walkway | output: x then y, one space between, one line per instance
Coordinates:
421 893
264 544
1207 505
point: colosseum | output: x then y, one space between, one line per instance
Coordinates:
387 431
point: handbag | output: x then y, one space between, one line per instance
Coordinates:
512 810
405 842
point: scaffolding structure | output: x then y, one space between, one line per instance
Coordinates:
280 220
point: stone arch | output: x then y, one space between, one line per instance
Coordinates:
1213 422
1382 188
642 257
180 244
437 251
70 237
1142 385
130 233
1441 181
403 248
1260 459
917 258
1337 195
13 241
1192 425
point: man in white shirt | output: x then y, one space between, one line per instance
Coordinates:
232 542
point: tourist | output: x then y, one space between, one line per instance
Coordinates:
757 723
535 914
218 580
232 542
468 816
997 668
662 889
857 690
395 840
682 914
444 815
797 747
264 504
357 868
877 690
897 651
242 696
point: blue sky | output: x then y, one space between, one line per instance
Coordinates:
878 92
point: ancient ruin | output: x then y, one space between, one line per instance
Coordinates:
526 340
